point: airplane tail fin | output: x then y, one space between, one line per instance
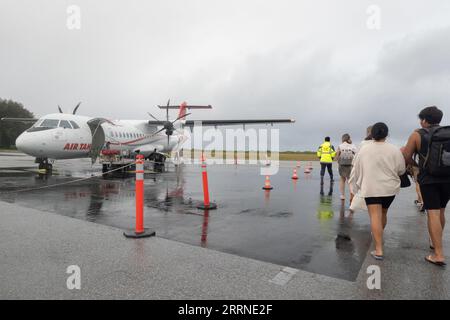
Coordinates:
182 111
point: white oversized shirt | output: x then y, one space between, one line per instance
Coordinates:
376 170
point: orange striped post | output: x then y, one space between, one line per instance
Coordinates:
206 205
139 231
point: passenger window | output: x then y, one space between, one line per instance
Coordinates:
65 124
74 125
49 123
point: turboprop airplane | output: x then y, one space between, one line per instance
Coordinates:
70 136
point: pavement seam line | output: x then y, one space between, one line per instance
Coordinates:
284 276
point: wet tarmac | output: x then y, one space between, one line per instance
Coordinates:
292 225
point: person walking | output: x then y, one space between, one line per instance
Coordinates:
376 173
432 144
345 154
326 154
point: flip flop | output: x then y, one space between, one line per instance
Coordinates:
376 257
436 263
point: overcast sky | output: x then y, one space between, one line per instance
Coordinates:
315 61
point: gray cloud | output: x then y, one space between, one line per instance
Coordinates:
314 61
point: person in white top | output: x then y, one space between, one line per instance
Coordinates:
376 175
345 154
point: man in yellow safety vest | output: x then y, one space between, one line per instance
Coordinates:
326 154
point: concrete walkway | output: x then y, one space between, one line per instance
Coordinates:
36 248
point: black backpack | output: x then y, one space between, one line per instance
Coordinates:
437 160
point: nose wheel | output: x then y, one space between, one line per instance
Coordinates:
44 164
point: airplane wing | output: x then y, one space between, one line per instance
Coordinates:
19 119
215 123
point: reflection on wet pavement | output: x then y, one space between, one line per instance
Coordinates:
297 224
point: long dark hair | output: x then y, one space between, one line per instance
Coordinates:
380 131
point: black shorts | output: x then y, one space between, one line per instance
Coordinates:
435 196
384 201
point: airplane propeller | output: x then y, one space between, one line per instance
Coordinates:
74 110
168 126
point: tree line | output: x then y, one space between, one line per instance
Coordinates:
9 131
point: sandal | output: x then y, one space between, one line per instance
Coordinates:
436 263
376 257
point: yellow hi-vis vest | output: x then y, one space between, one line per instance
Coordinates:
326 152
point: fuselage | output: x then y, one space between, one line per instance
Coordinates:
67 136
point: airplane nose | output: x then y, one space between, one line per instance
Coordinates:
23 143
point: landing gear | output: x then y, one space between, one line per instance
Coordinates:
158 161
44 164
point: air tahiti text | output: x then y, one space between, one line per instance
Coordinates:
77 146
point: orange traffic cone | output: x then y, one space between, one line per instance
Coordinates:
267 185
298 164
295 176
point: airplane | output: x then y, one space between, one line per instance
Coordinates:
70 136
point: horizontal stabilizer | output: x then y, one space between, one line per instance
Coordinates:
187 106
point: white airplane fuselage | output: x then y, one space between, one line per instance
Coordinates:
62 141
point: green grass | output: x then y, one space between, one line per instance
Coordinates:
12 149
282 156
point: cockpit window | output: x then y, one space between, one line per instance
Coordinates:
74 124
38 123
49 123
65 124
